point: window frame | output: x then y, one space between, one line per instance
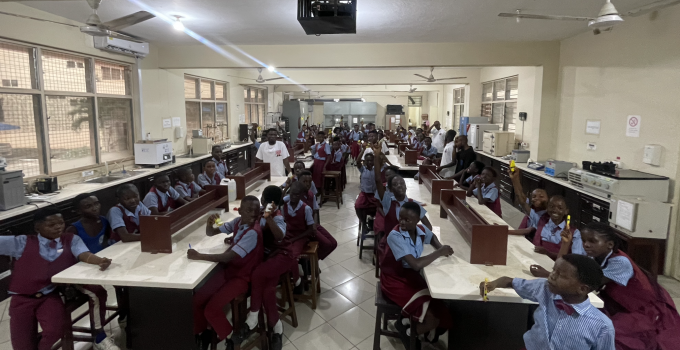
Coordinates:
214 101
248 104
460 103
40 109
494 103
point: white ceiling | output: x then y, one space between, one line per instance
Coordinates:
266 22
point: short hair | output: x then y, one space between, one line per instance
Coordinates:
588 271
76 201
298 186
299 162
427 138
183 171
463 137
124 188
216 146
558 197
41 214
369 154
336 139
321 132
479 165
253 198
412 206
305 173
373 132
208 162
492 170
272 194
450 135
605 230
391 178
160 176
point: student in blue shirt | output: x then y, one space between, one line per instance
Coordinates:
485 191
565 319
533 208
124 217
92 228
162 198
220 165
186 187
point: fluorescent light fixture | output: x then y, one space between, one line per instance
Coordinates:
336 100
271 68
177 24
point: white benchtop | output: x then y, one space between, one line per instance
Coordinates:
131 267
70 191
454 278
399 161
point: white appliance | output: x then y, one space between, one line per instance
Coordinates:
626 183
153 152
476 134
520 155
558 168
121 46
11 189
498 143
639 217
202 145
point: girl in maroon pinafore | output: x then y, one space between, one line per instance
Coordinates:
327 243
321 152
643 313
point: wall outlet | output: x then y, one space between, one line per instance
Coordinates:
525 145
87 173
591 146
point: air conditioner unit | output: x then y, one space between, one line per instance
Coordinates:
121 46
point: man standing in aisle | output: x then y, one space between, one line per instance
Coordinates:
438 135
275 153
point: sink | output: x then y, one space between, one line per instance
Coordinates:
103 179
128 173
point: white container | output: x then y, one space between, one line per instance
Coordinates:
498 143
232 188
153 153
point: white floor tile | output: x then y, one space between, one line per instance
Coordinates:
346 223
3 306
323 338
4 331
356 290
336 275
370 277
289 346
307 321
344 251
355 325
332 304
326 263
369 306
325 287
6 346
5 315
359 266
386 343
348 235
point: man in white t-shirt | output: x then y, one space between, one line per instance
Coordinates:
275 153
437 134
448 156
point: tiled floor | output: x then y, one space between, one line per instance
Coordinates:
345 316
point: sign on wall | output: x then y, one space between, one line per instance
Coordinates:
633 126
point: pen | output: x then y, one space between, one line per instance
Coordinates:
486 291
190 246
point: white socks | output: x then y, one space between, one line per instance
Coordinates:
278 327
297 283
251 320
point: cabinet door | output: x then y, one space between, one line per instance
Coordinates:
553 188
530 182
574 204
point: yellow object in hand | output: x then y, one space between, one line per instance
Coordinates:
218 221
486 289
512 166
568 221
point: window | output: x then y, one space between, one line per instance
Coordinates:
499 102
458 106
77 115
255 104
206 107
415 101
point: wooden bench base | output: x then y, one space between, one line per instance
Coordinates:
433 182
259 171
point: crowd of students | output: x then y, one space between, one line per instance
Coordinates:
272 231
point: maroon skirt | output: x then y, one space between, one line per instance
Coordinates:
366 201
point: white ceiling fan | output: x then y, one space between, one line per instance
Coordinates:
94 25
431 78
260 79
411 89
605 20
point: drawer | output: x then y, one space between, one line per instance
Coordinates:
594 206
587 218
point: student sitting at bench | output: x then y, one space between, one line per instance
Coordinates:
92 228
469 175
210 176
298 168
565 318
485 190
401 261
35 300
162 198
427 151
220 165
534 210
186 187
237 263
366 202
124 217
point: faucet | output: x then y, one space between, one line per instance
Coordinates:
106 165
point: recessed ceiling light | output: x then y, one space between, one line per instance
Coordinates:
177 24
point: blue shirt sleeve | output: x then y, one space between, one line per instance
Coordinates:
202 180
315 204
423 212
491 194
309 215
172 193
12 246
328 149
115 217
605 340
78 246
428 235
246 243
313 189
619 270
386 201
150 200
197 188
280 222
397 245
529 289
144 211
180 191
228 227
577 244
286 198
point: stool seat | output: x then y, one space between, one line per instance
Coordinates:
387 310
336 192
310 254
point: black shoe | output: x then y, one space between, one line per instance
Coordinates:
405 338
299 290
229 343
243 334
276 342
206 339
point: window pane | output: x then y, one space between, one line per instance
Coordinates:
510 115
69 129
112 79
260 95
190 87
511 89
486 110
221 114
18 142
63 72
487 92
206 90
220 91
245 95
208 120
462 95
499 90
193 118
260 114
115 128
247 113
497 114
15 66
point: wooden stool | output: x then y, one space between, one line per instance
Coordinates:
387 310
310 254
336 194
239 311
287 297
68 339
362 237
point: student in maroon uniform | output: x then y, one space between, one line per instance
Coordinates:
485 190
210 176
401 261
337 159
162 198
322 153
124 217
643 313
35 300
186 187
298 168
92 228
354 137
282 251
366 203
244 255
534 210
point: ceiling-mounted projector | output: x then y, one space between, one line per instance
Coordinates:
319 17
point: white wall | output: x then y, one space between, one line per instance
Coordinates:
633 70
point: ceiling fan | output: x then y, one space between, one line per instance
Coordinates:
411 89
260 79
431 79
94 26
605 20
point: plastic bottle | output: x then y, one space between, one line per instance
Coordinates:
231 184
